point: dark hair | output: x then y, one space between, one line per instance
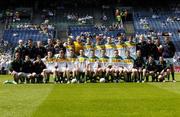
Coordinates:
30 40
38 56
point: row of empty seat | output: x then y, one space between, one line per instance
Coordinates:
13 35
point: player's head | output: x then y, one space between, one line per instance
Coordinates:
103 52
92 52
166 39
117 10
130 38
20 42
81 52
30 42
149 41
109 40
71 52
61 53
69 39
150 59
116 53
49 54
141 38
161 59
38 58
17 55
27 58
119 38
58 41
78 39
39 43
88 40
157 41
138 53
50 41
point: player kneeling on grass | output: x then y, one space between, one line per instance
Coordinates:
151 69
60 71
92 66
38 67
163 69
81 67
128 67
16 68
139 68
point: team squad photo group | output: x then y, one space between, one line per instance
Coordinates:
84 59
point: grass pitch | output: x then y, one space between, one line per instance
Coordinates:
90 100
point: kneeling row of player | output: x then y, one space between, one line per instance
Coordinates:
38 71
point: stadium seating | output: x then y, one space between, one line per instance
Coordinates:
76 30
156 24
13 35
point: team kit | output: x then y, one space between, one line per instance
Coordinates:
82 63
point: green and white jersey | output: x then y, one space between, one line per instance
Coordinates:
61 63
121 47
104 61
98 49
117 61
87 49
82 63
128 62
49 62
72 62
110 49
131 46
68 48
92 62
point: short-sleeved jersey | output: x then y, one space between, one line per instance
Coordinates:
128 62
61 62
87 49
49 62
71 62
139 62
82 62
78 46
110 49
104 61
68 48
151 66
131 46
98 49
117 61
92 62
121 48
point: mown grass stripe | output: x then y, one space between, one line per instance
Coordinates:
91 100
21 100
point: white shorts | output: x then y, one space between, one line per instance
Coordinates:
48 70
27 74
62 69
71 69
18 73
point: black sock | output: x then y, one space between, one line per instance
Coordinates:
172 73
